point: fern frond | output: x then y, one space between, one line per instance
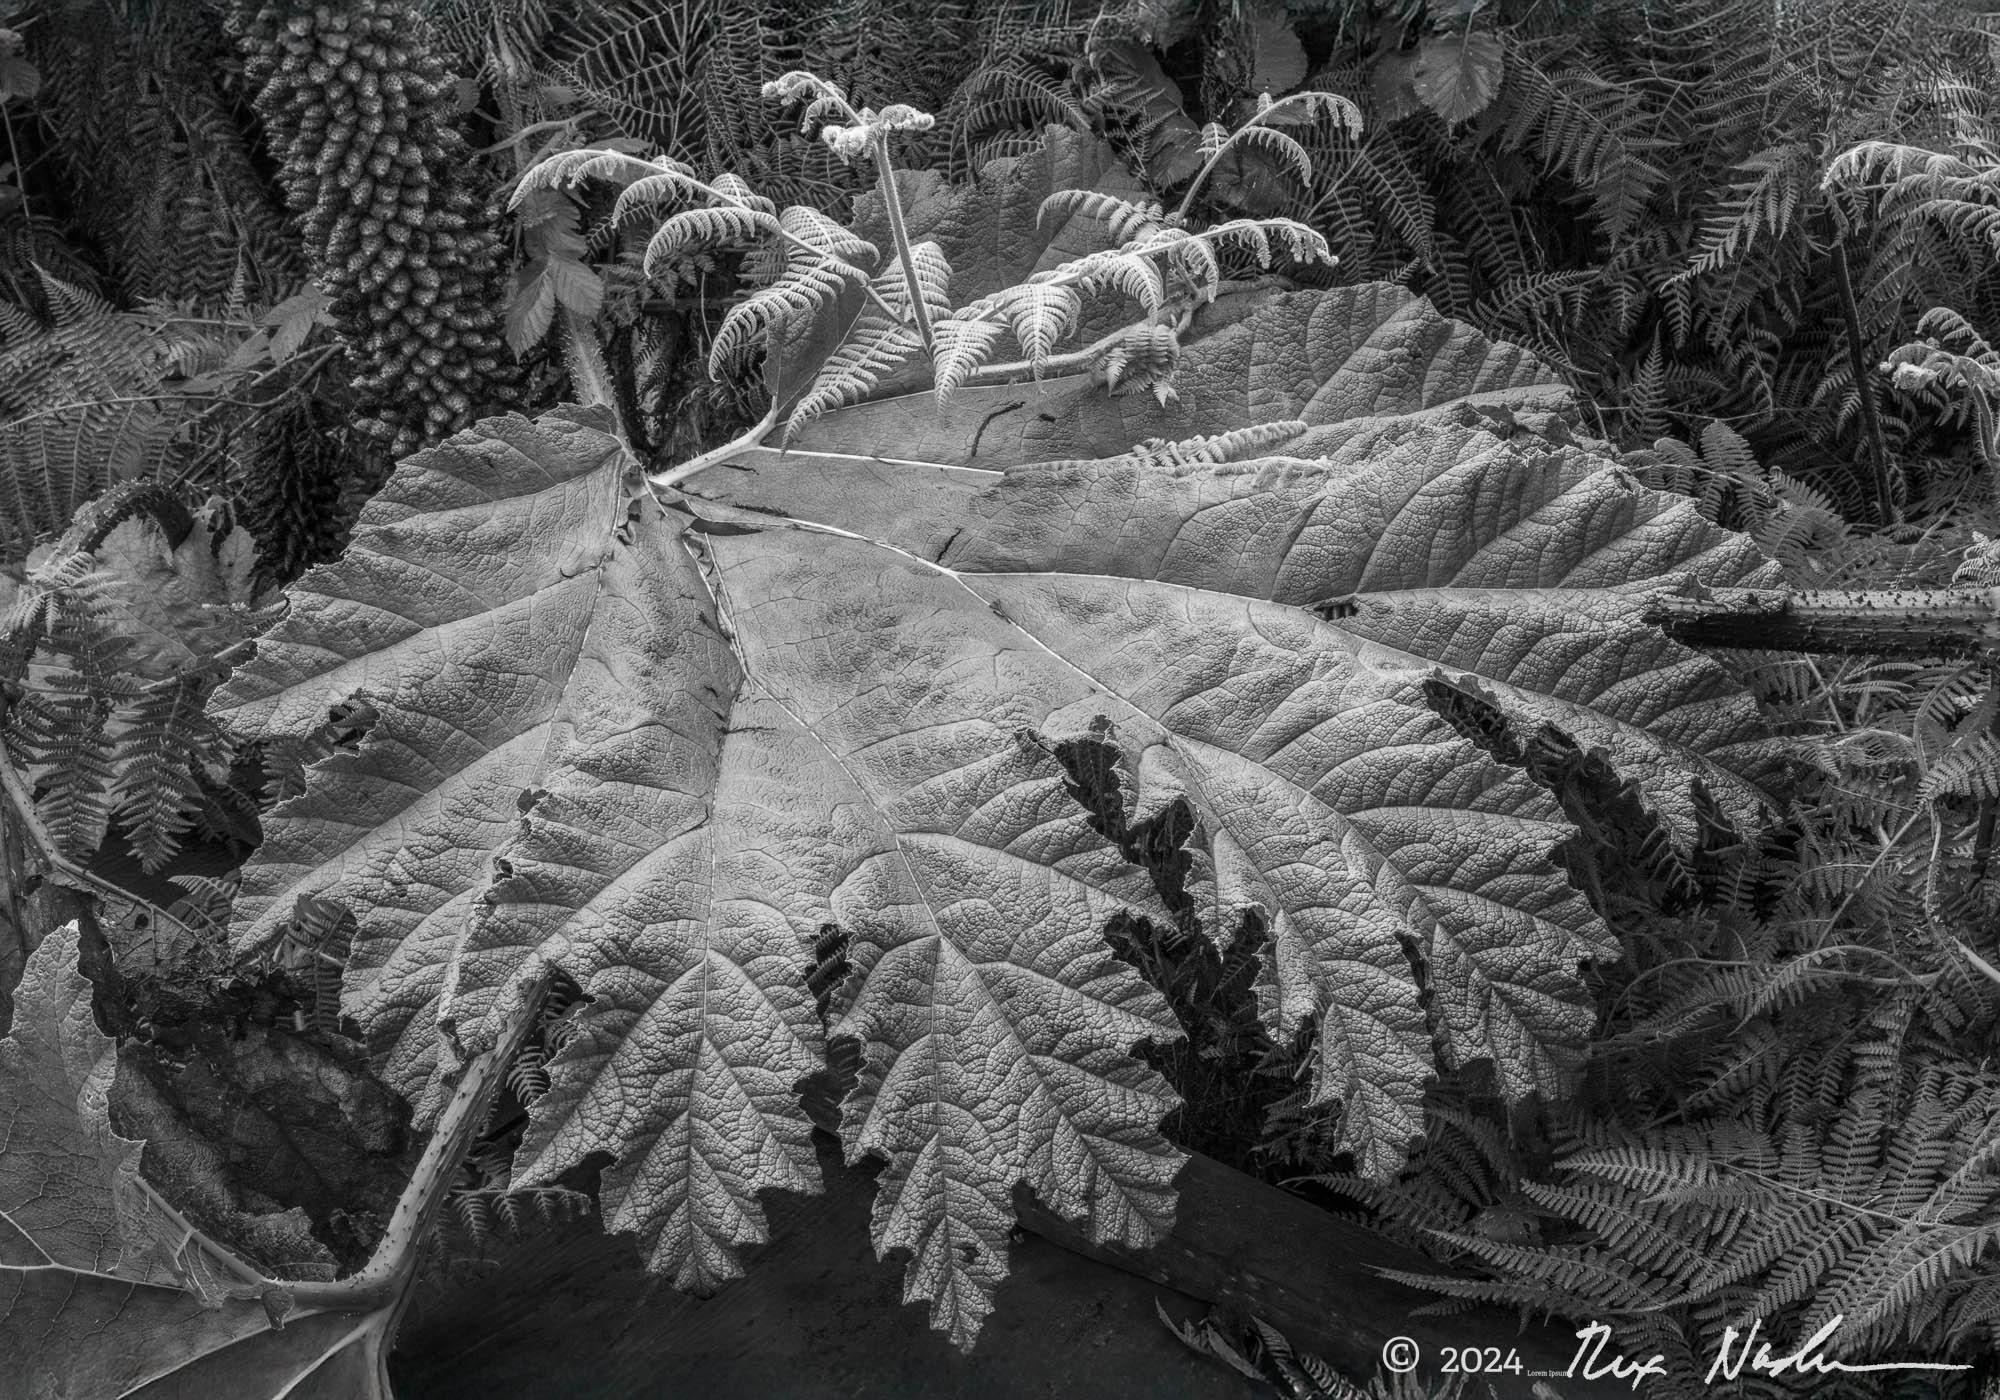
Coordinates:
876 345
1385 174
659 187
205 904
638 64
1968 769
810 278
1638 1231
827 237
1761 207
960 348
691 229
315 947
167 738
1040 314
1288 151
1146 355
1125 220
565 169
1257 440
1012 95
1112 269
1882 164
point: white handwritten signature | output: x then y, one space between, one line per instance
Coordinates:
1591 1364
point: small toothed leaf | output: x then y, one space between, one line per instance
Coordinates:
1457 76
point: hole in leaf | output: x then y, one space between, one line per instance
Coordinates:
830 966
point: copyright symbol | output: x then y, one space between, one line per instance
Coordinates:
1400 1355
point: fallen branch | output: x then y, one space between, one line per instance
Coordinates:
1904 622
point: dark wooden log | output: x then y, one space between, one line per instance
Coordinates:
573 1315
1245 1245
819 1317
1253 1249
1905 622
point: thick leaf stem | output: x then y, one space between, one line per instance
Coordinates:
589 372
384 1279
674 476
899 231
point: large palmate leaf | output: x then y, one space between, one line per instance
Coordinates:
668 742
673 828
105 1291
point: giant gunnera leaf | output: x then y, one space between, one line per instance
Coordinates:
666 740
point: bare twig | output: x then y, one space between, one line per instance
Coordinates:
1984 966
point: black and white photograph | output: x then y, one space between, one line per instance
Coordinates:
999 699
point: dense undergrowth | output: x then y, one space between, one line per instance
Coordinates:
1759 242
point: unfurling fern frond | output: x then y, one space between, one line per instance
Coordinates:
805 260
1144 355
1954 362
